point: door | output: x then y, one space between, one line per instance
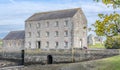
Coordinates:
80 43
39 44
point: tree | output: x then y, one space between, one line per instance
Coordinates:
108 25
112 42
114 3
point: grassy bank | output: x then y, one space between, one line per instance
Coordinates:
96 46
112 63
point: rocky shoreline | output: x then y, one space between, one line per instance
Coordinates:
4 63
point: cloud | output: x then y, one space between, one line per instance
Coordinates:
12 1
17 11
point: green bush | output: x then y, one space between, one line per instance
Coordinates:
112 43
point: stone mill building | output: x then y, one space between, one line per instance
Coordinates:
14 40
62 29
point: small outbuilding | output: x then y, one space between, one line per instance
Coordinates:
14 40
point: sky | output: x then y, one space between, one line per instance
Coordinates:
13 13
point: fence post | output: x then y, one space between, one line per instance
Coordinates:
22 57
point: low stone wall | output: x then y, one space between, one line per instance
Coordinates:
59 56
69 56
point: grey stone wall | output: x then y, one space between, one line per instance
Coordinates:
58 56
33 39
13 45
67 56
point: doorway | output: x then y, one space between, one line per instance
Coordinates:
80 43
39 44
49 59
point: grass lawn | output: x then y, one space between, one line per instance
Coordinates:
0 44
112 63
96 46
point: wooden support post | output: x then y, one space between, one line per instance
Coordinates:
73 60
22 57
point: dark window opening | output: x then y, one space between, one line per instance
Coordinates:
39 44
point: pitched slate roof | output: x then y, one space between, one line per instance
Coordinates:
53 14
15 35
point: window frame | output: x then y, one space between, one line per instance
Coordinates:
56 44
66 33
56 33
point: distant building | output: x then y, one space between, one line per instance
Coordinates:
61 29
14 40
92 39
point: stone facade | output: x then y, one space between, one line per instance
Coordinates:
57 31
13 44
14 41
92 40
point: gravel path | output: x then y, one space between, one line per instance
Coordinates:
70 66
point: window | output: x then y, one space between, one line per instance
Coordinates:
56 44
66 23
65 44
47 24
18 43
26 25
29 44
38 34
29 34
9 44
56 24
56 33
38 25
66 33
47 34
30 25
47 44
14 43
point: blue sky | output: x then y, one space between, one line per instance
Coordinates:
13 13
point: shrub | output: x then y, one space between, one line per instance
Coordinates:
112 42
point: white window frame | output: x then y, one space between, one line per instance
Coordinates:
65 23
30 25
47 44
29 44
29 34
38 25
47 34
56 44
66 33
47 24
56 33
56 24
38 33
66 44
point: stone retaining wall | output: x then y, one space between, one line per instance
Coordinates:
69 56
41 56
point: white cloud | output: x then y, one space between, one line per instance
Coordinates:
12 1
17 12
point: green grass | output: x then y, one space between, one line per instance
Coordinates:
112 63
96 46
0 44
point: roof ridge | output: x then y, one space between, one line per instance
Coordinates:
44 12
17 30
54 14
